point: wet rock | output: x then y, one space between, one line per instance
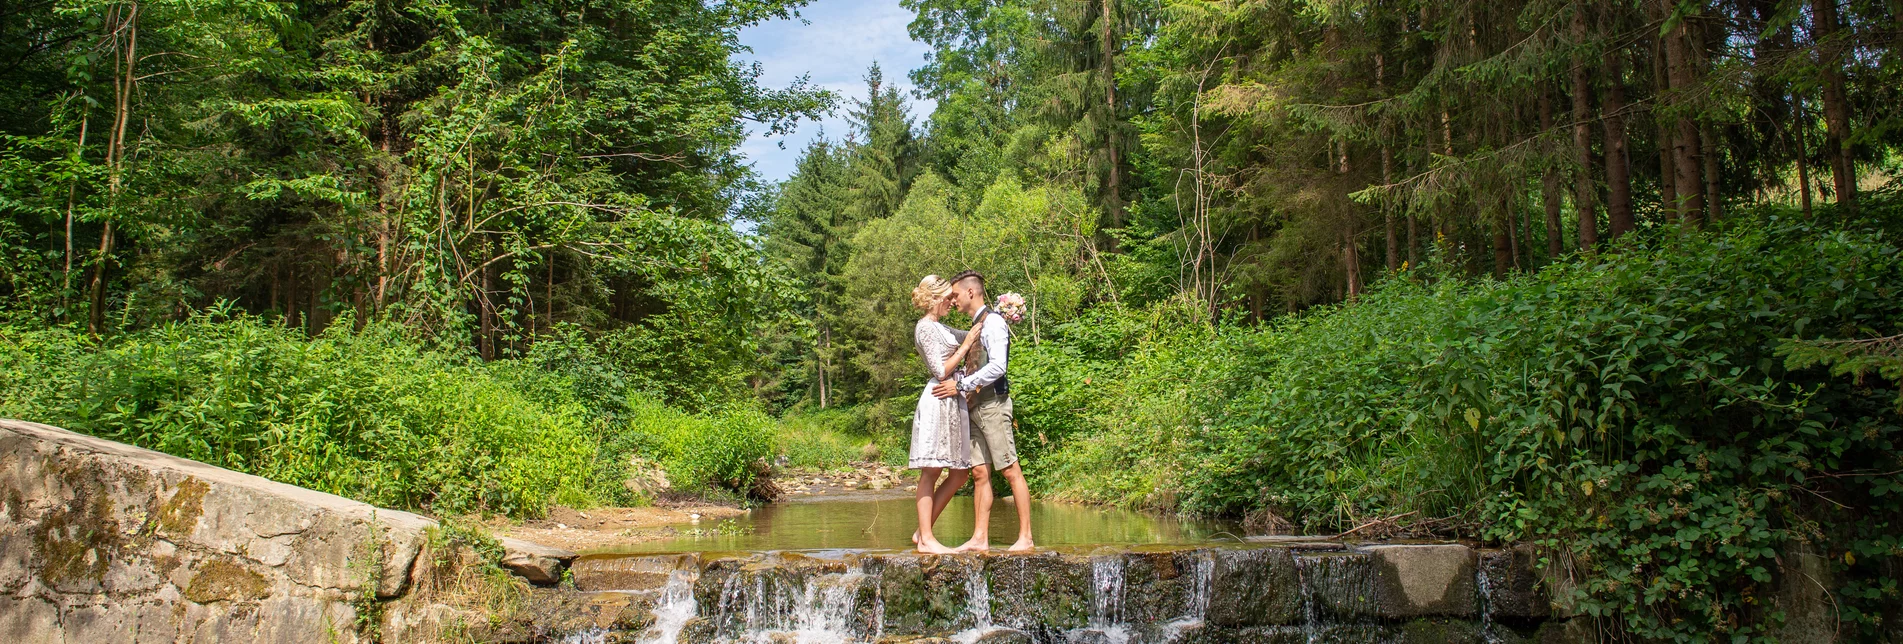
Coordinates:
1004 636
1256 587
1045 590
926 594
1513 587
1337 587
629 572
535 562
1437 631
1424 580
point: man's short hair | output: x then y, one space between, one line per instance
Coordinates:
969 274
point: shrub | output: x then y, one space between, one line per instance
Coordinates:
1652 416
361 413
718 450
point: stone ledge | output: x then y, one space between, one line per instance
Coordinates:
101 537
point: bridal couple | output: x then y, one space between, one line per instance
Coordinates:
964 421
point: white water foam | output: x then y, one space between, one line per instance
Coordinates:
671 610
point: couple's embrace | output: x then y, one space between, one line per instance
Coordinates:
964 421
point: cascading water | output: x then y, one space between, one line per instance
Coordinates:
1240 594
672 609
799 605
1106 599
1337 592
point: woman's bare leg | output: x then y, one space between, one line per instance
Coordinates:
942 496
927 543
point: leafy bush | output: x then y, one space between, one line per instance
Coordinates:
720 450
1651 416
824 438
366 414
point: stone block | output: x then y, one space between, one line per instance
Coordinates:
629 572
535 562
1511 586
1043 590
1255 587
1424 580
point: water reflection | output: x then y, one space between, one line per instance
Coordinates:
887 523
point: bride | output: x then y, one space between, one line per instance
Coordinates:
941 434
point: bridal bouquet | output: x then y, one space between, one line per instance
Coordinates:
1011 306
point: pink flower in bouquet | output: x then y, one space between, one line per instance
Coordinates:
1011 306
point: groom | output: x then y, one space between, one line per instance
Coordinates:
993 446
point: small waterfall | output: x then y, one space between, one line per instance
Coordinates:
1337 592
1202 571
595 635
805 606
1106 603
1484 582
671 610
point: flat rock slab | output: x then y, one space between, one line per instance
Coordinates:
1424 580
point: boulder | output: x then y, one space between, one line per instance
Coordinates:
540 564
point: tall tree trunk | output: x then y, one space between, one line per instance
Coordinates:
1803 156
1112 143
72 194
1387 169
1583 191
1836 106
1413 241
1661 87
1351 261
1686 180
125 77
1387 212
1618 159
1708 157
1502 246
1549 184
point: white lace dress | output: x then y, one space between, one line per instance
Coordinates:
941 433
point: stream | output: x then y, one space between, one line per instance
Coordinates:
839 571
886 522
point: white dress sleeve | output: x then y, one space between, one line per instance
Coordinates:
931 347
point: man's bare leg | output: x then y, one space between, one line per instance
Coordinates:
928 543
981 507
1021 497
942 496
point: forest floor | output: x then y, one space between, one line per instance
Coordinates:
601 528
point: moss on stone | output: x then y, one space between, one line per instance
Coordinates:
224 580
177 516
76 542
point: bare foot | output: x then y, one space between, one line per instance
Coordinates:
976 544
915 537
934 549
1023 545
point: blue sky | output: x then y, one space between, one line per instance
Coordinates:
842 38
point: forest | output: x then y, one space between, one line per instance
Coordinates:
1618 279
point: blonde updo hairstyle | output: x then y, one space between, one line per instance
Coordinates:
929 291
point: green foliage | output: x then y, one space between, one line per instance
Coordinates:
721 450
366 413
1630 413
825 438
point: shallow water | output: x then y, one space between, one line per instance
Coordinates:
887 521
